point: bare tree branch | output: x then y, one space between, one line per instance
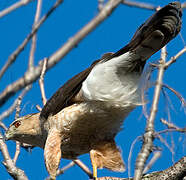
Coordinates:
34 38
140 5
38 108
182 130
174 58
62 170
3 126
9 164
13 106
130 154
172 126
14 7
84 167
17 152
18 109
41 82
30 77
14 55
149 131
156 156
175 172
183 101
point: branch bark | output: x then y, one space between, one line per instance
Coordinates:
140 5
14 7
34 38
30 77
21 47
13 106
175 172
15 172
149 131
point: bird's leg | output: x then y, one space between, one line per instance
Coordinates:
106 154
52 152
94 164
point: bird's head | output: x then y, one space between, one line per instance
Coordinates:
25 129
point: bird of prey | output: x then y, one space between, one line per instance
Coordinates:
87 112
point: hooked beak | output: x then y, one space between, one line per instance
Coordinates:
6 136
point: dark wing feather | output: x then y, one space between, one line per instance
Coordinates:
167 20
62 98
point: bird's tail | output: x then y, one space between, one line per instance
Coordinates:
156 32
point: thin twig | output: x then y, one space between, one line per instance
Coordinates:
79 163
14 7
15 172
21 47
171 149
168 101
34 38
182 39
17 152
140 5
38 108
3 126
181 130
18 109
62 170
149 131
156 156
172 126
13 106
174 58
29 78
177 94
41 82
146 84
84 167
130 154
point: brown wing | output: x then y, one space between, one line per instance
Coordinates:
62 98
167 20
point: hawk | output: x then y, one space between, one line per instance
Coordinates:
87 112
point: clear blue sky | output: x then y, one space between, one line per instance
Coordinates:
110 36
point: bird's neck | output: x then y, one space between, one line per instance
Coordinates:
34 135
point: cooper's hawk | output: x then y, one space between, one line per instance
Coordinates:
86 113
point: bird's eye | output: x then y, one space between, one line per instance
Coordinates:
17 124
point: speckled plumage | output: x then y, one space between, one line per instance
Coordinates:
86 124
87 112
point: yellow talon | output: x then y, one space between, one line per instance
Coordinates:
94 164
94 171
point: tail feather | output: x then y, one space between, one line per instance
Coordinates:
156 32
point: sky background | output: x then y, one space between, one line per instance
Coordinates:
110 36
